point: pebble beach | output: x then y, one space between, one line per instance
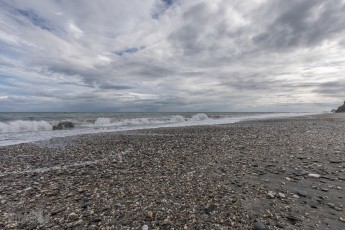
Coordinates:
268 174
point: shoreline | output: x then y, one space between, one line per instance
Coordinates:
198 119
286 173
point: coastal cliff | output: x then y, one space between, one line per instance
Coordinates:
341 109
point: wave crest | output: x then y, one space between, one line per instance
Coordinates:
24 126
199 117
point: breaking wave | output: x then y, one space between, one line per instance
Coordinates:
140 121
24 126
102 121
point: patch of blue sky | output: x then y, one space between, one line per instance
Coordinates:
160 10
131 50
35 19
169 2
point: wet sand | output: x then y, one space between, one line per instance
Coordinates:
272 174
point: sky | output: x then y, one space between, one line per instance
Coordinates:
172 55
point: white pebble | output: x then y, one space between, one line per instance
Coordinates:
314 175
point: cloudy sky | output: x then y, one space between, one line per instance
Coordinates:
172 55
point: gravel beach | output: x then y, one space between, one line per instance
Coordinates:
268 174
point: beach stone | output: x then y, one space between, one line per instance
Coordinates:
230 223
150 214
313 205
293 219
336 161
324 189
73 216
304 172
86 204
302 193
314 175
281 195
92 227
145 227
210 208
271 194
280 225
57 210
258 225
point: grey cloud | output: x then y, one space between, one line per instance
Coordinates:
192 55
106 85
302 23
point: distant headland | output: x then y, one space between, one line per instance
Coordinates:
341 109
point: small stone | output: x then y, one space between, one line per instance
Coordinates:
314 205
288 179
342 219
280 225
230 223
73 216
292 219
324 189
86 204
150 214
92 227
210 208
303 173
77 223
281 195
336 161
314 175
302 193
271 194
145 227
295 196
331 205
258 225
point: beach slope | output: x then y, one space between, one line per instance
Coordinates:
272 174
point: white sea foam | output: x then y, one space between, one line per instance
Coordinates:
102 121
107 122
199 117
24 126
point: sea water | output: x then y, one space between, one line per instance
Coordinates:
18 128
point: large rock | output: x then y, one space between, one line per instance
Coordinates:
64 125
341 109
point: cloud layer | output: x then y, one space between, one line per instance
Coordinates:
171 55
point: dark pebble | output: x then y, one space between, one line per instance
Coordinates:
57 210
302 193
324 189
258 225
336 161
86 204
210 208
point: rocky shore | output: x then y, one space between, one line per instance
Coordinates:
274 174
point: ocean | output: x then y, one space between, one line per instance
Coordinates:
18 128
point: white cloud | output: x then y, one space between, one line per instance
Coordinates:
75 31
